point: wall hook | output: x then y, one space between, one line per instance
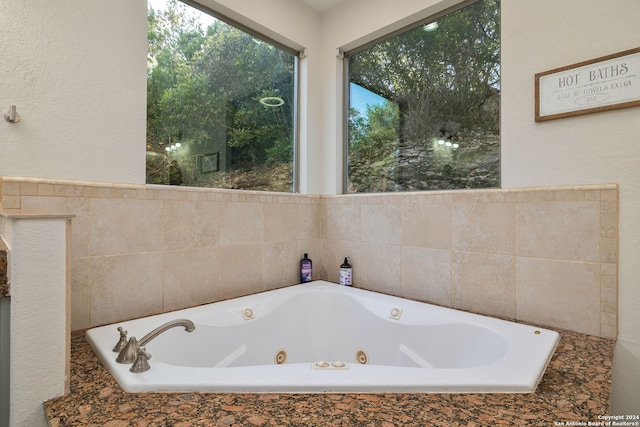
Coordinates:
12 116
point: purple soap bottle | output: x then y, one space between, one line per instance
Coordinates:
346 277
306 267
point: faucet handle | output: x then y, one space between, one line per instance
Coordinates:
141 364
122 342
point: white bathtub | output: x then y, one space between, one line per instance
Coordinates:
331 338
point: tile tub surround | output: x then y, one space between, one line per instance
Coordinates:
542 255
138 250
575 387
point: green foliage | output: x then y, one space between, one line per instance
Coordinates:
372 143
204 88
446 86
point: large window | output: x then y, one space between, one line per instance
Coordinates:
424 106
220 103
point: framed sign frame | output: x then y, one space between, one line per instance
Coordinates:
607 83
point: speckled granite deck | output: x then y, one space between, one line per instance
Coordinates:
4 287
575 387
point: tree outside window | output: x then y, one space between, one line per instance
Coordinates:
425 106
220 104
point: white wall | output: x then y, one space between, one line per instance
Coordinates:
76 71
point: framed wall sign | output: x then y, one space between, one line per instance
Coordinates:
606 83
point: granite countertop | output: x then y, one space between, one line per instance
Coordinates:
575 387
4 286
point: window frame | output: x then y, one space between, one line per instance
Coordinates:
344 54
297 54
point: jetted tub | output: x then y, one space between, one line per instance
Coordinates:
323 337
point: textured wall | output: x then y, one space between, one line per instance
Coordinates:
76 72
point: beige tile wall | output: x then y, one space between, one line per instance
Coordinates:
138 250
541 255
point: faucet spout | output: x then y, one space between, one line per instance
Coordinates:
130 352
187 324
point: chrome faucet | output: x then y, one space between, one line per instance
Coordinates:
134 349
